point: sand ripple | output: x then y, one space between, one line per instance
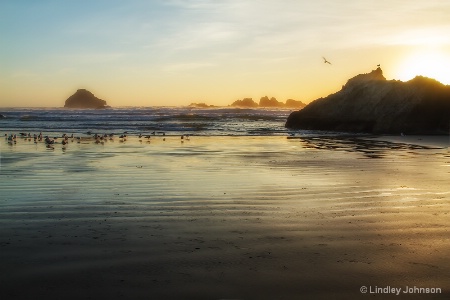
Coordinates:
229 217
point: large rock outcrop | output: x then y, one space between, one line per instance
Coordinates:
84 99
370 103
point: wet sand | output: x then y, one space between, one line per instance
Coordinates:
432 141
224 218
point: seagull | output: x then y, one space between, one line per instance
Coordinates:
325 61
49 141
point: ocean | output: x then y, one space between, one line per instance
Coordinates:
145 120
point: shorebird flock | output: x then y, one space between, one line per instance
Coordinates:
96 138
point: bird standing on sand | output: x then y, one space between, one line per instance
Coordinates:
12 139
325 61
49 141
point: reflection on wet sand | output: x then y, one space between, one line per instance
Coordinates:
368 147
222 218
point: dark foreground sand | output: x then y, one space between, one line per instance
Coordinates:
225 218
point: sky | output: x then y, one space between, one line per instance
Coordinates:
175 52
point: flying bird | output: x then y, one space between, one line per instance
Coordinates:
325 61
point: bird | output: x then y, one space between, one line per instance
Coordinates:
378 65
11 140
49 141
325 61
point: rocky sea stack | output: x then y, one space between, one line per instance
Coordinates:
370 103
268 103
84 99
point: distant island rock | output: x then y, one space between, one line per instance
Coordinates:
370 103
272 102
84 99
291 103
246 102
201 105
266 102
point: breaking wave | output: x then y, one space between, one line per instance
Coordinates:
171 120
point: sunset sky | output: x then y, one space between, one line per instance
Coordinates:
174 52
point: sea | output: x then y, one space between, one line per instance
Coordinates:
224 121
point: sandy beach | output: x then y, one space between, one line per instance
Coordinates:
226 218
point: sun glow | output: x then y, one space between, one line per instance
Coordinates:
433 64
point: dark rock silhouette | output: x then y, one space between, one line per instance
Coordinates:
272 102
370 103
266 102
84 99
201 105
294 103
246 102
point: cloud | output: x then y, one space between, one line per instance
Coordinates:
431 36
199 36
176 29
171 36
